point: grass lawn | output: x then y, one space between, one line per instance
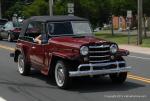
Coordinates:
123 39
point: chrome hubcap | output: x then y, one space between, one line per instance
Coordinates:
20 65
9 37
59 75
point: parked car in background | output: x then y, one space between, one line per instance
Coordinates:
97 29
2 22
106 26
10 31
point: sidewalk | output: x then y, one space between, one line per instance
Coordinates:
136 49
132 32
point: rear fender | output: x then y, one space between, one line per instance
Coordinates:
17 52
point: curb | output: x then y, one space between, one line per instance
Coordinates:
136 49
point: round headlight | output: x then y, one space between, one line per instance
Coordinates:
113 48
84 50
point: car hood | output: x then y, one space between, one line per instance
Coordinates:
77 41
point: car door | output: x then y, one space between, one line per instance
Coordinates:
37 55
37 52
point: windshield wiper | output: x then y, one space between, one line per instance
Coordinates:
78 36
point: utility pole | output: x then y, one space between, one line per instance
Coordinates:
51 7
112 25
140 13
0 9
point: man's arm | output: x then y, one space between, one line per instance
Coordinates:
38 39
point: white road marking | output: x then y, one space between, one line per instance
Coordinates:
139 57
2 99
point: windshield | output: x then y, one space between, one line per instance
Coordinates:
59 28
71 28
81 28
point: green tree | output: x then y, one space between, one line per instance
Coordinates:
120 7
38 7
146 7
15 9
6 5
98 11
60 7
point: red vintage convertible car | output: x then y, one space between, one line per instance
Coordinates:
68 49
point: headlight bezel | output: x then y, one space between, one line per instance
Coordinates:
113 48
84 50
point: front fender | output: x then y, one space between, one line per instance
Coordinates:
122 52
69 56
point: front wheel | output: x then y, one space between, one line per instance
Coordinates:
118 77
23 68
62 75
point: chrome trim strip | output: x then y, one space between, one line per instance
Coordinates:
100 64
99 51
100 46
99 72
99 61
99 56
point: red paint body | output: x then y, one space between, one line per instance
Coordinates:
40 56
64 47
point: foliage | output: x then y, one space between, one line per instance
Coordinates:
16 9
60 7
120 7
38 7
146 7
97 11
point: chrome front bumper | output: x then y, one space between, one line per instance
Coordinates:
92 72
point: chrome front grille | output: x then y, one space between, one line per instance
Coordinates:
99 53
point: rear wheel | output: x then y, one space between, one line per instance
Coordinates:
118 77
62 75
23 67
1 38
9 38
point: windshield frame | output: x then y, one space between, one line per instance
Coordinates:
89 34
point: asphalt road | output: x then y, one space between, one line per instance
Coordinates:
37 87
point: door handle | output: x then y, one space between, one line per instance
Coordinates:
33 47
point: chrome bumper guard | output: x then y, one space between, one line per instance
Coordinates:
92 72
